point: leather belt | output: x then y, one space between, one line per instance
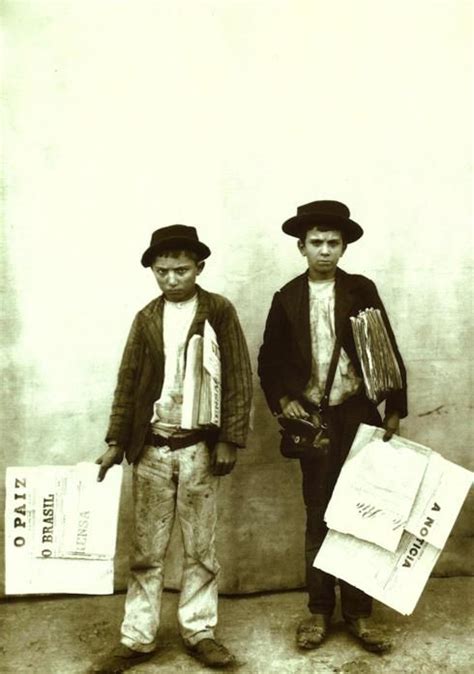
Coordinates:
176 442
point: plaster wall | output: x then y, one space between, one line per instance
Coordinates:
123 117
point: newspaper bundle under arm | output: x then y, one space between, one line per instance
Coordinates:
379 365
210 409
192 383
60 529
202 381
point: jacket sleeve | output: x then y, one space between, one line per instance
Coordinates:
236 378
396 401
272 355
123 406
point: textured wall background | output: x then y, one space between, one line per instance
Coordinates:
122 117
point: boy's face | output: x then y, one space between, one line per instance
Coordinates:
322 249
176 275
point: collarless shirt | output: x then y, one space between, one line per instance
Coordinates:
177 319
323 337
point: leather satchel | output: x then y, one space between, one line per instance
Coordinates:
302 438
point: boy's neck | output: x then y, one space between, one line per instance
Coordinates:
321 276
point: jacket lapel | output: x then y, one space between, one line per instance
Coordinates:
344 301
153 326
153 330
297 308
202 312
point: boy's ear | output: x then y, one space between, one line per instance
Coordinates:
200 266
301 246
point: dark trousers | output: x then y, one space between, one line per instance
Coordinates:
320 474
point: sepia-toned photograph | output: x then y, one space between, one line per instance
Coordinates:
237 326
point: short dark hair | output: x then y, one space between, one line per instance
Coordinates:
322 228
176 252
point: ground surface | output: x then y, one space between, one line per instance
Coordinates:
64 635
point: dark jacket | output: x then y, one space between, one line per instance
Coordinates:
284 362
141 373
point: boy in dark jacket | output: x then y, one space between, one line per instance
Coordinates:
305 318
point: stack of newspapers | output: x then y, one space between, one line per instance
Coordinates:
202 381
379 365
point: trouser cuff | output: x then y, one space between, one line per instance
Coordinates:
140 648
321 611
321 606
199 636
354 615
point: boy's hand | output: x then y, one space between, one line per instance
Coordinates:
223 458
391 424
113 455
293 409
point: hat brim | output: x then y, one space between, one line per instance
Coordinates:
300 223
177 243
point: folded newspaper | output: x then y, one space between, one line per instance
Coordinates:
60 529
202 381
379 365
390 515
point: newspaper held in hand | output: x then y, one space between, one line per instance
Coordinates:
379 365
367 501
395 577
60 529
202 381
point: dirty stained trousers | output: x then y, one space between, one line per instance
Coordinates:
165 484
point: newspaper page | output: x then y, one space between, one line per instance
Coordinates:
396 577
439 500
60 529
210 410
368 501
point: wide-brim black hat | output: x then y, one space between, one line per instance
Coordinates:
177 237
329 213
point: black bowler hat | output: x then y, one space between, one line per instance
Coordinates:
174 236
328 213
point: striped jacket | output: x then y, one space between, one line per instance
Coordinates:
141 373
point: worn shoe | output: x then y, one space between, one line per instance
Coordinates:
120 659
372 638
211 654
312 631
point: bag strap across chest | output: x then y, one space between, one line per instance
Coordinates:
324 402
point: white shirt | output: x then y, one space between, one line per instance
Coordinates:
177 319
323 337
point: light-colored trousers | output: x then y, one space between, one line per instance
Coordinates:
164 483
